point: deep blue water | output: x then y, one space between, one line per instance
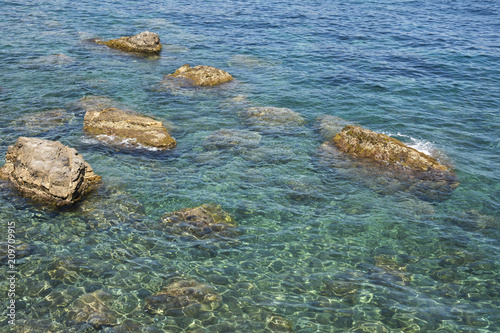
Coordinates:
424 72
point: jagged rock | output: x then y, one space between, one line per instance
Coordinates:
127 125
205 221
361 142
386 164
199 76
269 117
185 297
48 171
94 308
231 139
144 42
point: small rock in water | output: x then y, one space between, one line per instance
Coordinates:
279 324
144 42
127 125
231 139
185 297
205 221
198 76
40 122
269 118
94 308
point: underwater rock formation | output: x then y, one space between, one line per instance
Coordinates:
199 76
94 308
270 117
48 171
231 139
386 164
126 125
144 42
328 126
184 298
279 324
37 123
205 221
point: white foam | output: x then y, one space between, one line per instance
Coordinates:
422 146
111 140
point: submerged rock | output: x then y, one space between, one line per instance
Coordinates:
184 298
328 126
48 171
91 102
231 139
199 76
94 308
279 324
386 165
269 117
44 121
205 221
126 125
144 42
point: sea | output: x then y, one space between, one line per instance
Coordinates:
320 247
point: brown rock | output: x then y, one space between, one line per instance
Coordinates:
205 221
123 124
145 42
232 139
48 171
201 75
185 297
361 142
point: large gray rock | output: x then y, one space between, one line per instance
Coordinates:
48 171
145 42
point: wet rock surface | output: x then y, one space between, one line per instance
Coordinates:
205 221
386 165
127 125
364 143
48 171
199 76
144 42
328 126
184 298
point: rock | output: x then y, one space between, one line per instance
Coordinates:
145 42
48 171
386 165
21 250
381 148
200 76
185 297
231 139
390 270
205 221
279 324
94 308
92 102
40 122
269 116
328 126
136 129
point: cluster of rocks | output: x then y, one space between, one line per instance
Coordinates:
53 173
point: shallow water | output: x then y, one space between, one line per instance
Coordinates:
326 249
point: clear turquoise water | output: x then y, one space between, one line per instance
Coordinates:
426 72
